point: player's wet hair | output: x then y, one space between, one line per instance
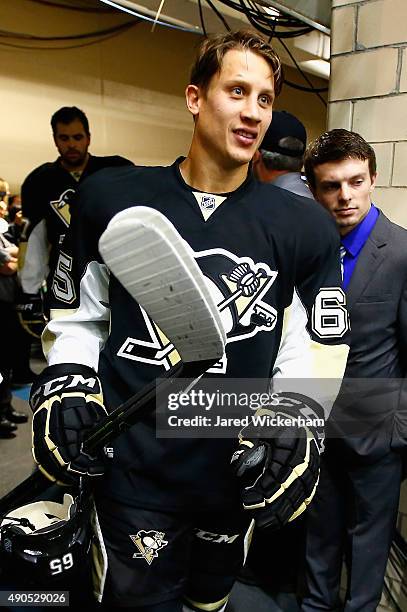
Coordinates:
337 145
212 51
66 115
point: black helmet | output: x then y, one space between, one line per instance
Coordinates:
46 543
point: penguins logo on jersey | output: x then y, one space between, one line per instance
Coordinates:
149 543
61 206
238 286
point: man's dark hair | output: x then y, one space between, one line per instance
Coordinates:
337 145
66 115
212 51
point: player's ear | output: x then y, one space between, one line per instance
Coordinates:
373 178
192 96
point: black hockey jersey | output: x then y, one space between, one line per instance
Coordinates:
46 195
282 329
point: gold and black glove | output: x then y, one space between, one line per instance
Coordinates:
67 401
278 465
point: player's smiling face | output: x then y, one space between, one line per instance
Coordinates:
233 114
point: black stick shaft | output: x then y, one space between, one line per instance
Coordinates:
119 420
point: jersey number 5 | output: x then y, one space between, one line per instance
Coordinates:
62 285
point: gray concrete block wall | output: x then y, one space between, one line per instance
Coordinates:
368 89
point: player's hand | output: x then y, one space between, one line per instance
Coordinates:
9 267
12 250
19 219
67 401
278 467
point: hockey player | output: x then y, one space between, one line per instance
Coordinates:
47 192
169 516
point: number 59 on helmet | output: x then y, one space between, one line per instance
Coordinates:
46 543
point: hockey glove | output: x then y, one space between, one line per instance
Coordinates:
67 401
278 463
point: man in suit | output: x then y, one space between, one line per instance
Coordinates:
280 157
355 508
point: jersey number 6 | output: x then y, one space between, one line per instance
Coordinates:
329 314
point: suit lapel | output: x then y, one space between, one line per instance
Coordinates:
369 260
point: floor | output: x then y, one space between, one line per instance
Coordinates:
16 460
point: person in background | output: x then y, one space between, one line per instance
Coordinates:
10 328
47 192
280 157
18 372
355 507
14 200
4 195
3 215
17 223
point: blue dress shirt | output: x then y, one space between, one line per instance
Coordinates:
355 241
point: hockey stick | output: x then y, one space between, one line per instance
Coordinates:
150 259
156 266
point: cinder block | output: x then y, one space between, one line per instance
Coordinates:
403 79
340 115
382 22
381 119
344 2
363 75
392 201
400 165
343 30
384 157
